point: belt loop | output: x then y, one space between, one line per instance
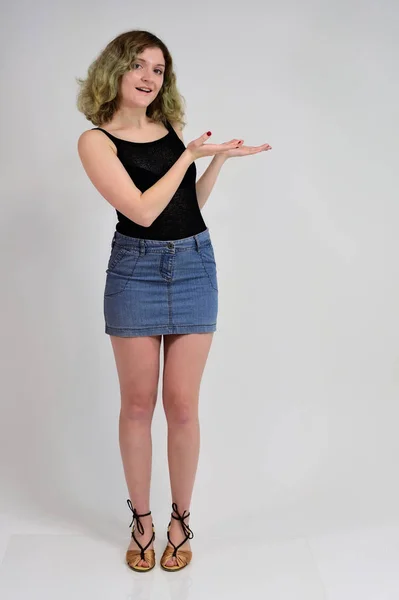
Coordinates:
197 243
142 247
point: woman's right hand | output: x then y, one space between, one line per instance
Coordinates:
197 148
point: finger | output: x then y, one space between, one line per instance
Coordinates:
233 146
259 148
205 136
226 148
252 149
249 150
222 147
233 143
256 149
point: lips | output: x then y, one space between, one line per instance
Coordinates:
144 91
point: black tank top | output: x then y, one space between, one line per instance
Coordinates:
146 162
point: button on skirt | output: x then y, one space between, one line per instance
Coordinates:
158 287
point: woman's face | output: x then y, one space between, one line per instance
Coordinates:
147 71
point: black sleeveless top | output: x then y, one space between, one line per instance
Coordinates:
146 162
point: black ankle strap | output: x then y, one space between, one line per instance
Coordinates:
139 527
136 516
187 531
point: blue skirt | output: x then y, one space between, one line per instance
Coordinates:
161 287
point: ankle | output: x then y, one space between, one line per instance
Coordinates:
178 523
144 512
146 522
181 509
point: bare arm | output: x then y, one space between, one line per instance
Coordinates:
98 156
158 196
208 178
205 183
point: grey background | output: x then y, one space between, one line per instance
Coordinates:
298 403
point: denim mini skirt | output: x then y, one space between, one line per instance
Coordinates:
158 287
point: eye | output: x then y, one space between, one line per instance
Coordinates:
139 65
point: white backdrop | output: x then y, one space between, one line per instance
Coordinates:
299 399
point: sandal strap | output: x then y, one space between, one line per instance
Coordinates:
136 516
139 527
186 529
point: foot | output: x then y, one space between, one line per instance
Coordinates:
177 536
143 539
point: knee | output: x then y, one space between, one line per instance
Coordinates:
138 406
180 408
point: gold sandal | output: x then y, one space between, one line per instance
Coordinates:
133 557
183 556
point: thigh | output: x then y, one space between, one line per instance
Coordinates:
137 362
185 356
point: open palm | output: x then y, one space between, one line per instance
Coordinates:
245 150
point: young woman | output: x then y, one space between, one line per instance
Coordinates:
161 275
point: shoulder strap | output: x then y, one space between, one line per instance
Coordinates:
172 130
106 132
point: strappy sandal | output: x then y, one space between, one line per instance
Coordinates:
133 557
183 556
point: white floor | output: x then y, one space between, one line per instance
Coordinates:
41 560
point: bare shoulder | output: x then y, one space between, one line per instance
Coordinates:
95 136
109 176
178 128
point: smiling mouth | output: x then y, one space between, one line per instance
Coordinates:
144 91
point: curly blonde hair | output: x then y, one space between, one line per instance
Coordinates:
98 97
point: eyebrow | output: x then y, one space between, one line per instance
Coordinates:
158 65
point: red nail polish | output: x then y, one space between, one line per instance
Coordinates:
209 133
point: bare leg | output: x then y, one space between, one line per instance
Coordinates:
137 361
184 363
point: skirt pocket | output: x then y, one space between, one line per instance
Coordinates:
120 269
117 253
209 263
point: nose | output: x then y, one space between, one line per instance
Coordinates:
146 75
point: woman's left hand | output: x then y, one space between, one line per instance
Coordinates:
244 150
